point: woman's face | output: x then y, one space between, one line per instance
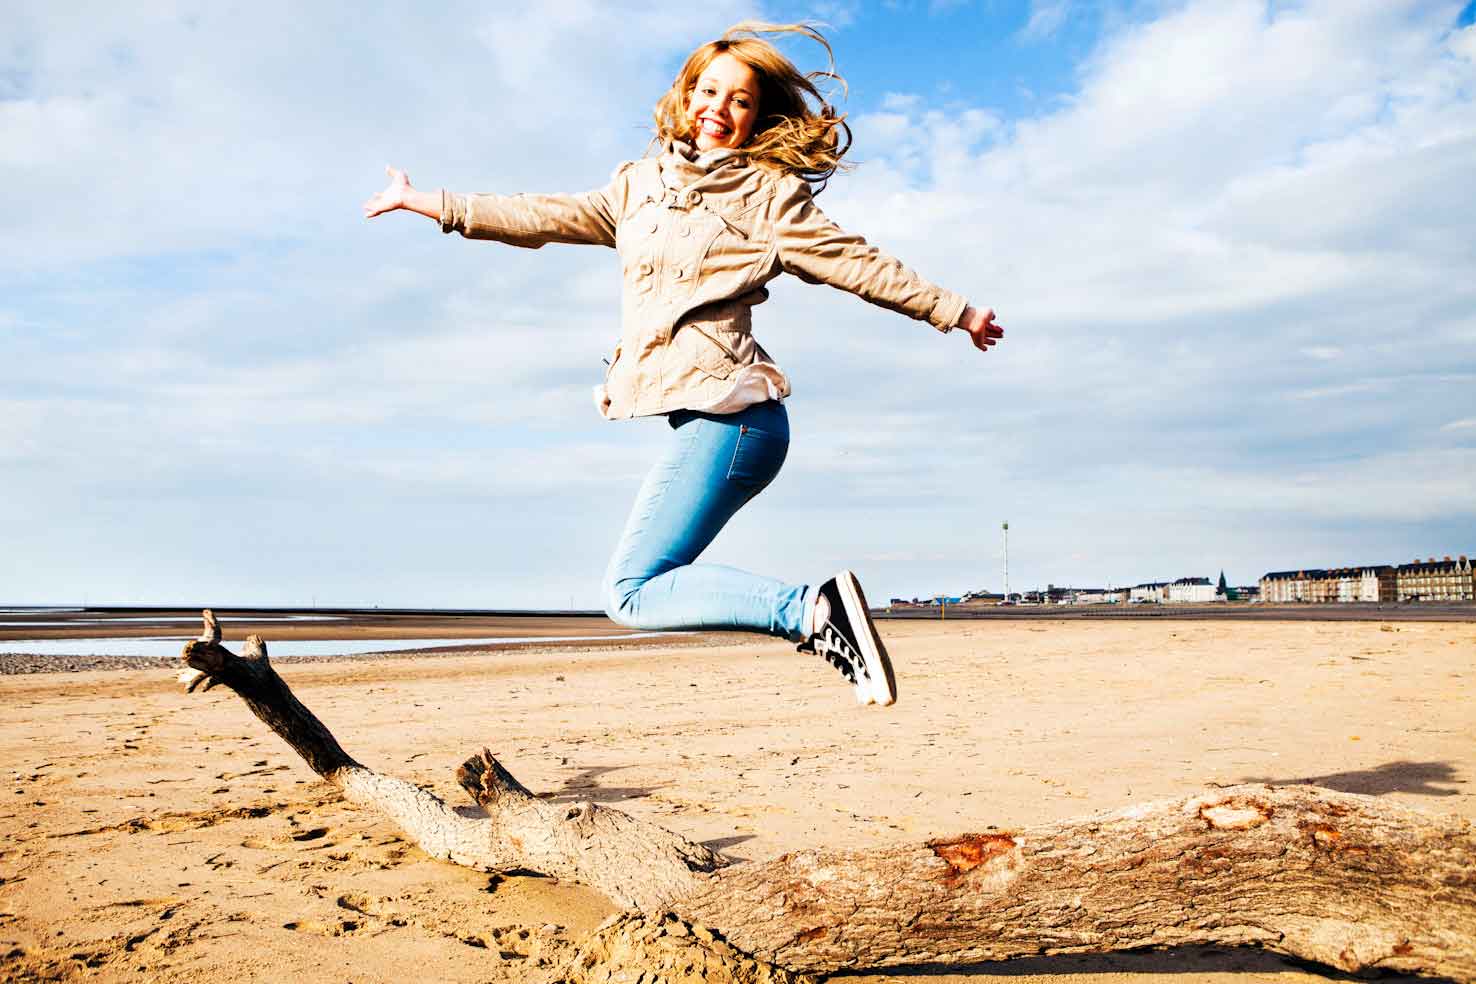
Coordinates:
724 104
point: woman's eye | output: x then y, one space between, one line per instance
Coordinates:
741 103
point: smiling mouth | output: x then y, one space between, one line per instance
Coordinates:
713 128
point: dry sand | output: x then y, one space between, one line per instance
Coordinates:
151 835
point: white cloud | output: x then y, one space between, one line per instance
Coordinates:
1234 270
1046 17
1388 486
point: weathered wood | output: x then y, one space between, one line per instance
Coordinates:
252 678
1335 878
1344 880
635 862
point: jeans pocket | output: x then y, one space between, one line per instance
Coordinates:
757 458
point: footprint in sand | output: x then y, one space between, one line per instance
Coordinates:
312 834
341 927
364 905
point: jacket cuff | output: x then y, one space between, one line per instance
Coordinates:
948 311
453 212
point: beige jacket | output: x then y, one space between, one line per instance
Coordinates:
698 239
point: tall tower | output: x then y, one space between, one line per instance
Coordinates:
1006 528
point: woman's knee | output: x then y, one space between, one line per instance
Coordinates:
619 598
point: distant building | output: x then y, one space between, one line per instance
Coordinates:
1285 587
1436 580
1153 591
1057 595
1339 585
1191 590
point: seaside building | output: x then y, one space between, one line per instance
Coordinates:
1436 580
1340 585
1153 591
1191 590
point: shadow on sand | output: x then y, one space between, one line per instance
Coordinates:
585 785
1190 963
1415 778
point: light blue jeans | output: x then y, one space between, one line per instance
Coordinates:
713 467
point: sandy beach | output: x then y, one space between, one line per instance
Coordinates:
154 835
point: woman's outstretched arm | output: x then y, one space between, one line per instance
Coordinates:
400 195
518 220
817 250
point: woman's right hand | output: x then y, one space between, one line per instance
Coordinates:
981 327
395 196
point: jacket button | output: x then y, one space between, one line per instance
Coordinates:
693 198
686 231
644 269
679 274
655 226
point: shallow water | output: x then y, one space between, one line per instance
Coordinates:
161 619
171 645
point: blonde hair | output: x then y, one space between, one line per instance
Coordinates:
797 131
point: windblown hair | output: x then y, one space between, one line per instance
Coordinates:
797 131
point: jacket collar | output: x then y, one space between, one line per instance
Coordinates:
682 165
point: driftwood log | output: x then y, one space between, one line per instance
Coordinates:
1334 878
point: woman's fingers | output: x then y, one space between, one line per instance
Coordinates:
982 329
390 198
378 203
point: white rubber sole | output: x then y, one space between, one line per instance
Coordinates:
878 664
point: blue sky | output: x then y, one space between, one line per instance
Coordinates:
1231 242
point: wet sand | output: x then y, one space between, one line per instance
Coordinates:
110 632
154 835
236 624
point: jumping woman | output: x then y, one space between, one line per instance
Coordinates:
745 142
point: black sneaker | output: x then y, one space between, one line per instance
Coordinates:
848 640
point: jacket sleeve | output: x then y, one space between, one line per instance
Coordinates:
533 220
817 250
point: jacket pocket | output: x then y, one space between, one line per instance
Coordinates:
705 350
728 253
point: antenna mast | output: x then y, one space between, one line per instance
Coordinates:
1006 528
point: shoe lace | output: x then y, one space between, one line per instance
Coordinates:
832 645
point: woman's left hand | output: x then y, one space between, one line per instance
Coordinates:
981 327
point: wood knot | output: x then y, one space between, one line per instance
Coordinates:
968 852
1231 815
1328 838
